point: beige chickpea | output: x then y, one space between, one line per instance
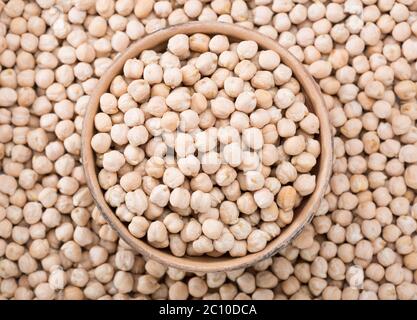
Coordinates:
202 245
190 74
228 59
294 145
262 80
147 284
225 175
225 242
206 140
178 291
263 198
304 162
138 226
218 44
246 102
172 77
160 195
188 120
189 166
245 69
173 222
179 45
136 201
287 197
212 228
241 229
191 231
200 201
284 98
199 42
170 121
180 198
179 99
157 232
206 63
139 90
310 124
305 184
232 154
134 117
257 240
233 86
113 161
254 180
247 49
119 133
253 138
201 182
137 135
197 287
210 162
173 177
222 107
152 73
269 59
228 212
133 68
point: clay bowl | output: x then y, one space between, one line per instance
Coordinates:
304 212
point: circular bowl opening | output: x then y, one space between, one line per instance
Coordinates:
302 214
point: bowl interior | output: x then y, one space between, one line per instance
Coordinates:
302 214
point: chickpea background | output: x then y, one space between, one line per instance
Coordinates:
54 244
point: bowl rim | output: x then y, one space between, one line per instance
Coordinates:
305 212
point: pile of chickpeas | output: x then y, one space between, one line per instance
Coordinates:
206 148
362 242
